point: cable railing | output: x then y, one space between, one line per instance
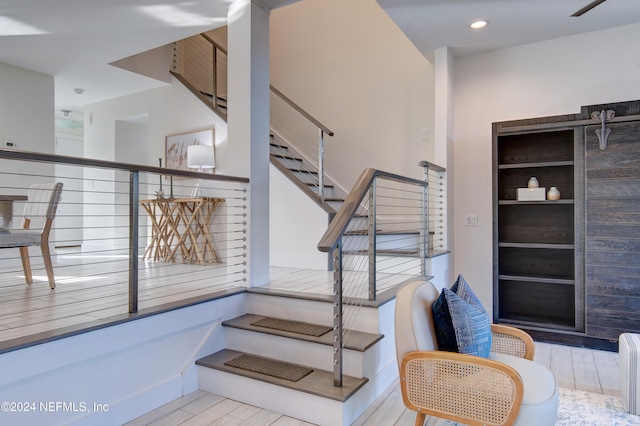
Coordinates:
201 64
125 239
383 235
297 138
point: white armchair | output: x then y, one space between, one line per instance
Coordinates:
506 388
40 207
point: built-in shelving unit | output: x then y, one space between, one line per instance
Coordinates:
569 270
535 241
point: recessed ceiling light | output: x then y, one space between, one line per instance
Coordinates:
479 24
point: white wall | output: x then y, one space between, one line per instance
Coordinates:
542 79
296 226
166 110
349 65
127 369
26 108
169 111
27 119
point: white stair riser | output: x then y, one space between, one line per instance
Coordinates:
300 405
335 204
306 177
358 224
311 311
354 363
328 192
289 163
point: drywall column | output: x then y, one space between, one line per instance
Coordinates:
444 141
248 120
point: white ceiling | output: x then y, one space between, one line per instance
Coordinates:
431 24
76 40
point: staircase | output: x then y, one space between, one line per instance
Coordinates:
369 360
304 174
367 365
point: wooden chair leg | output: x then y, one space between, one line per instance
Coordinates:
420 418
46 256
26 264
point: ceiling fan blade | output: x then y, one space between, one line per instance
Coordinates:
588 7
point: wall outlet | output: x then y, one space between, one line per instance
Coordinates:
471 219
424 134
9 143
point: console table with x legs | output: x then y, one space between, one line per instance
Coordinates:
181 226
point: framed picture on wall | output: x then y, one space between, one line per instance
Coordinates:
176 147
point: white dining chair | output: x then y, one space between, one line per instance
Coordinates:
40 206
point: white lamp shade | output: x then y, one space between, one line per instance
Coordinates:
200 157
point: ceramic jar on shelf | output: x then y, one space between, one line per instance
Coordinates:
553 194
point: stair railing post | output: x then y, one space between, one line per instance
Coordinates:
337 315
134 200
214 71
372 240
424 229
321 164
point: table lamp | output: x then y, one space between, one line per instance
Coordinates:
200 157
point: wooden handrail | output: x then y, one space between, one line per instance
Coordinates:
339 224
278 93
215 44
304 113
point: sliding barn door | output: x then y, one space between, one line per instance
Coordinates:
612 231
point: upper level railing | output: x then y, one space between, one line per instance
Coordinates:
200 63
126 238
386 230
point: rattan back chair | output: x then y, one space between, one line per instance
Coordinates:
463 388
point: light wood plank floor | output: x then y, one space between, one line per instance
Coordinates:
93 287
575 368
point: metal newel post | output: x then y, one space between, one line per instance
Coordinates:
134 199
337 315
424 229
372 240
321 165
214 70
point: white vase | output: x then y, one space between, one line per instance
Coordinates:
553 194
533 182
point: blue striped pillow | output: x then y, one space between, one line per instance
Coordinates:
461 322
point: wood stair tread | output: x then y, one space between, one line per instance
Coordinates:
287 157
315 184
355 340
311 172
318 382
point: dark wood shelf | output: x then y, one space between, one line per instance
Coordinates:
537 279
524 203
536 245
535 165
